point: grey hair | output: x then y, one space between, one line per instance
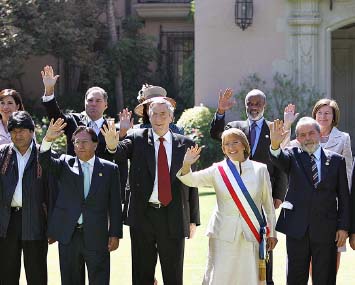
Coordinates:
253 93
161 100
98 90
307 121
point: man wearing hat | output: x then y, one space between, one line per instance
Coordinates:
256 128
145 96
23 205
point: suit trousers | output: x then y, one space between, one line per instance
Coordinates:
34 255
269 280
150 240
73 257
301 251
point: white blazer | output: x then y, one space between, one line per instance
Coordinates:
226 217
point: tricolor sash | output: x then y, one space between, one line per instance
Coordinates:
244 203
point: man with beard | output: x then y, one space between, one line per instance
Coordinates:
315 214
256 128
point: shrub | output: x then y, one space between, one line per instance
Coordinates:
59 145
196 123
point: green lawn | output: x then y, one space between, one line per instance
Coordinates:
195 256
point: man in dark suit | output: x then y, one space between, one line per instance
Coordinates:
316 212
159 209
23 205
86 219
258 133
95 106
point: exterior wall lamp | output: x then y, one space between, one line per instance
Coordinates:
243 13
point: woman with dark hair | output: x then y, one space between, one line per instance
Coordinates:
10 102
237 230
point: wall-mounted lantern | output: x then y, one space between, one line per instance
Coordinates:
243 13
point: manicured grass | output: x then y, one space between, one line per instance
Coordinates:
195 256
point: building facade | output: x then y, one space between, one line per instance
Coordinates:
312 41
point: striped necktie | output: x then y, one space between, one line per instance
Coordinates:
315 176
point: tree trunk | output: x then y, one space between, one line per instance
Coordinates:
111 22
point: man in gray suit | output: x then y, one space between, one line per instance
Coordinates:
86 219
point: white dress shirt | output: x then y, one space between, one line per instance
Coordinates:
21 164
168 148
259 125
98 124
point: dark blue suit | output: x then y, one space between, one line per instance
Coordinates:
101 212
317 214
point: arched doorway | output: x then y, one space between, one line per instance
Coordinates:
343 76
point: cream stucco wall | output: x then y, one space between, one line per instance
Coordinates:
225 54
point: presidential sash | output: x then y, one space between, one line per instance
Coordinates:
244 203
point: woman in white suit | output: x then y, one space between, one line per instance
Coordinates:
327 113
233 249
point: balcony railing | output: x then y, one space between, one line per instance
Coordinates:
164 1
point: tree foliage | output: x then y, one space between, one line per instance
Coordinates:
76 33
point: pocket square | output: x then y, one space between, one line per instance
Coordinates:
287 205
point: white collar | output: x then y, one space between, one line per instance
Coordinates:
91 161
98 122
27 151
167 136
317 153
259 122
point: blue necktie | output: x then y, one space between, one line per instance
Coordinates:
315 177
86 172
94 126
85 167
252 135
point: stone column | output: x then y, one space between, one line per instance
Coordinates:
304 23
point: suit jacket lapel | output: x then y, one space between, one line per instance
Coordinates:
79 179
84 119
306 165
334 139
244 126
96 177
150 157
12 168
33 156
324 161
264 138
177 157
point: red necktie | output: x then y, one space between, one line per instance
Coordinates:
164 186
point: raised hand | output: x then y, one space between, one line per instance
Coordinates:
225 101
277 133
126 122
289 116
49 79
192 155
55 129
111 135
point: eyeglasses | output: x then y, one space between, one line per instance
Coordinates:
232 144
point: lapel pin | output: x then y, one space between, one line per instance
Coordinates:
100 174
266 136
